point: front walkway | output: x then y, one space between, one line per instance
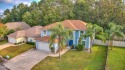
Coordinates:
5 45
26 60
61 53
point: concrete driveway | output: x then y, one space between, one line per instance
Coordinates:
26 60
2 67
5 45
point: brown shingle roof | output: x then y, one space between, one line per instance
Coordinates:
17 34
45 39
31 32
17 25
34 31
72 24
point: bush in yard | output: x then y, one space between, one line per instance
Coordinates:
79 47
31 43
52 49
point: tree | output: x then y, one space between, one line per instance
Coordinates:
92 31
7 11
114 31
3 31
15 14
55 10
62 34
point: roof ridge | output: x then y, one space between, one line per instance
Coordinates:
72 25
82 22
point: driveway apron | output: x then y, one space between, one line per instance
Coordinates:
26 60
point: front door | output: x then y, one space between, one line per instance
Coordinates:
70 42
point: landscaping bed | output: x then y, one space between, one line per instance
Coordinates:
13 51
76 60
116 59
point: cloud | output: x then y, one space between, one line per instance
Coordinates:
8 1
22 1
1 11
16 2
28 3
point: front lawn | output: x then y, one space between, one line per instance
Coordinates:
75 60
13 51
3 42
116 59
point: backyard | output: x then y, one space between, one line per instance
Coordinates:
76 60
116 59
13 51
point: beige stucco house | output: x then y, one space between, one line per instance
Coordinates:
17 37
27 35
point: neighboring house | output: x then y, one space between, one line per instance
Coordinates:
16 26
27 35
17 37
33 32
78 27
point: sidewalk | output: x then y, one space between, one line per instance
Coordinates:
5 45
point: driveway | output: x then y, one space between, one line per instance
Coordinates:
2 67
5 45
26 60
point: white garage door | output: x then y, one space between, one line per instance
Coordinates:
43 46
11 40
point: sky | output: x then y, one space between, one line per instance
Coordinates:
8 4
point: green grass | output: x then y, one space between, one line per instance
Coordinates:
3 42
13 51
116 59
76 60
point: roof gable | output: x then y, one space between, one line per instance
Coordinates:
31 32
71 24
34 31
17 34
17 26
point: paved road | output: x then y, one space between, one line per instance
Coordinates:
5 45
26 61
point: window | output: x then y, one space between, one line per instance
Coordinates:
44 33
82 32
30 40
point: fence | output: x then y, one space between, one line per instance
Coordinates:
115 43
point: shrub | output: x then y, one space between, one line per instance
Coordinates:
52 49
31 43
79 47
23 41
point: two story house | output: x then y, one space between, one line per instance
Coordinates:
77 26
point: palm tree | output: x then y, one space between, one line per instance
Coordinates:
114 31
63 34
92 30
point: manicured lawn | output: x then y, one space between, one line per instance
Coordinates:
3 42
75 60
116 59
13 51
